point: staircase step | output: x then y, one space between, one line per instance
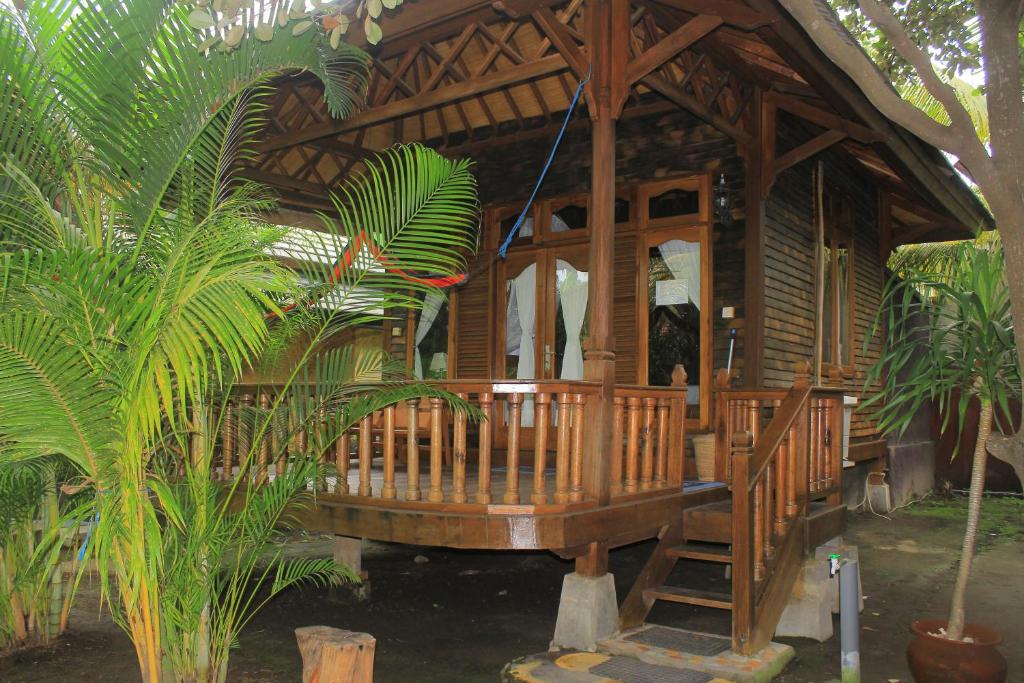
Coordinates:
690 596
706 552
711 523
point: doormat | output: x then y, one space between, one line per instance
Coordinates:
681 641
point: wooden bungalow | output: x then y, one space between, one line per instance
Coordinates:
706 256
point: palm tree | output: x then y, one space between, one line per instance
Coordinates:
948 340
135 285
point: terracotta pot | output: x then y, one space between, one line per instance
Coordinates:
934 659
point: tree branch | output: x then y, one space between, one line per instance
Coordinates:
886 21
821 23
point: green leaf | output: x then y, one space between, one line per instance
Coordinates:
264 32
392 4
374 34
374 8
301 27
234 35
336 37
200 20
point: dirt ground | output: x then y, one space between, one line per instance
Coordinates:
462 615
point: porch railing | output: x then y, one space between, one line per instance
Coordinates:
527 449
784 453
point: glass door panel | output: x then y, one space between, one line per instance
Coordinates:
674 317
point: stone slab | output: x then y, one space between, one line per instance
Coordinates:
731 666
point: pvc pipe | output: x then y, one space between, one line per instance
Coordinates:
849 622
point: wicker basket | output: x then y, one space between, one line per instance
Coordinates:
704 451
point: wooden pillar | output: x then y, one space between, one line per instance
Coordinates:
756 157
607 29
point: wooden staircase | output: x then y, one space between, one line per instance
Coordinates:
783 467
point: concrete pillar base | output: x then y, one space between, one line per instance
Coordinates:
808 613
587 612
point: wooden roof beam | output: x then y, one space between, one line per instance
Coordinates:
825 119
733 13
806 150
670 46
480 85
694 106
559 35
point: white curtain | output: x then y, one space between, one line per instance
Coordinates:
573 290
431 306
525 287
683 261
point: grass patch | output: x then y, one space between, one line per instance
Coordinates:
1002 517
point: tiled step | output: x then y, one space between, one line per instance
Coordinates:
706 552
690 596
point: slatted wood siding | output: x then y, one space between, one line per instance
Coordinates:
789 268
625 313
473 322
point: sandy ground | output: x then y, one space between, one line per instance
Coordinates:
462 615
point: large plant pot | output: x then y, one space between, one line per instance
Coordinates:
934 659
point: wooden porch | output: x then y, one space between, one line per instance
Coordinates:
422 473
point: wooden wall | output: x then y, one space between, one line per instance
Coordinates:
790 265
675 143
649 147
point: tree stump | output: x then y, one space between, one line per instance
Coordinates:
331 655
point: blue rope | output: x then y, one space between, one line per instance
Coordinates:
503 249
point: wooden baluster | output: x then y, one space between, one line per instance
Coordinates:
388 489
515 411
542 404
435 494
754 418
227 440
617 450
459 457
320 445
835 471
563 447
825 442
279 436
781 482
834 442
795 449
412 460
632 444
676 456
483 493
758 530
245 421
743 549
302 437
769 508
262 471
342 454
576 467
365 455
661 444
812 468
647 467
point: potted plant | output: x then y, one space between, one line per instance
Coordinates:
948 340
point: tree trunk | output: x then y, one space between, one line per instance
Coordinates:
955 628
